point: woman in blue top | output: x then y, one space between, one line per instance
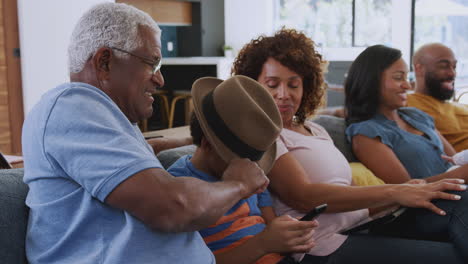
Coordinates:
395 142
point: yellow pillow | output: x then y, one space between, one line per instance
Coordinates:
362 176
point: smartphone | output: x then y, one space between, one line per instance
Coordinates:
314 213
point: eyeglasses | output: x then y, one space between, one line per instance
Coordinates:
155 64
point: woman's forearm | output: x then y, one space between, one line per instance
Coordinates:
458 173
339 198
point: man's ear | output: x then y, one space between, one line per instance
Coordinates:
205 144
102 59
419 69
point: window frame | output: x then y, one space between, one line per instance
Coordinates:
402 34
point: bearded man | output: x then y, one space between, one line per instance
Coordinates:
435 69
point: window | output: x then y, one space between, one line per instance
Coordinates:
313 17
372 22
444 21
343 28
330 22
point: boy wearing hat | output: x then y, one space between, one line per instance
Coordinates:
238 118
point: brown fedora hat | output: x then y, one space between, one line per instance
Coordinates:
239 118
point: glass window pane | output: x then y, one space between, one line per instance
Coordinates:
313 17
444 21
373 22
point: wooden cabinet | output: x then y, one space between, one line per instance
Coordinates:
165 12
11 96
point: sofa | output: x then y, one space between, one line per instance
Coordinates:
14 213
13 216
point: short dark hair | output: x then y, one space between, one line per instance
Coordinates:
362 85
195 130
294 50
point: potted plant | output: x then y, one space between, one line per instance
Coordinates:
228 51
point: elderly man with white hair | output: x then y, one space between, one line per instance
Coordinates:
97 193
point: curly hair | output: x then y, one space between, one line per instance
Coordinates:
295 51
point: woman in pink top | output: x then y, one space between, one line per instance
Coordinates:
310 171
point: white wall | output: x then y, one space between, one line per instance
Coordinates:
45 27
245 20
401 27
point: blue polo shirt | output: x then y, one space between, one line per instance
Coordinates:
77 147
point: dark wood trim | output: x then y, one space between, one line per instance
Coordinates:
353 24
413 21
14 84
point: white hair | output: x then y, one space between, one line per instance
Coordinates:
107 25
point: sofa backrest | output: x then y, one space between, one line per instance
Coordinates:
169 156
13 216
336 127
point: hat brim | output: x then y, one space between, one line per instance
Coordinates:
200 89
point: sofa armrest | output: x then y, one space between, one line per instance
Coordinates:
13 216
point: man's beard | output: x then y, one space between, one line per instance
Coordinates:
435 89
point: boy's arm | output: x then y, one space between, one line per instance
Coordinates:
265 203
268 214
284 234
